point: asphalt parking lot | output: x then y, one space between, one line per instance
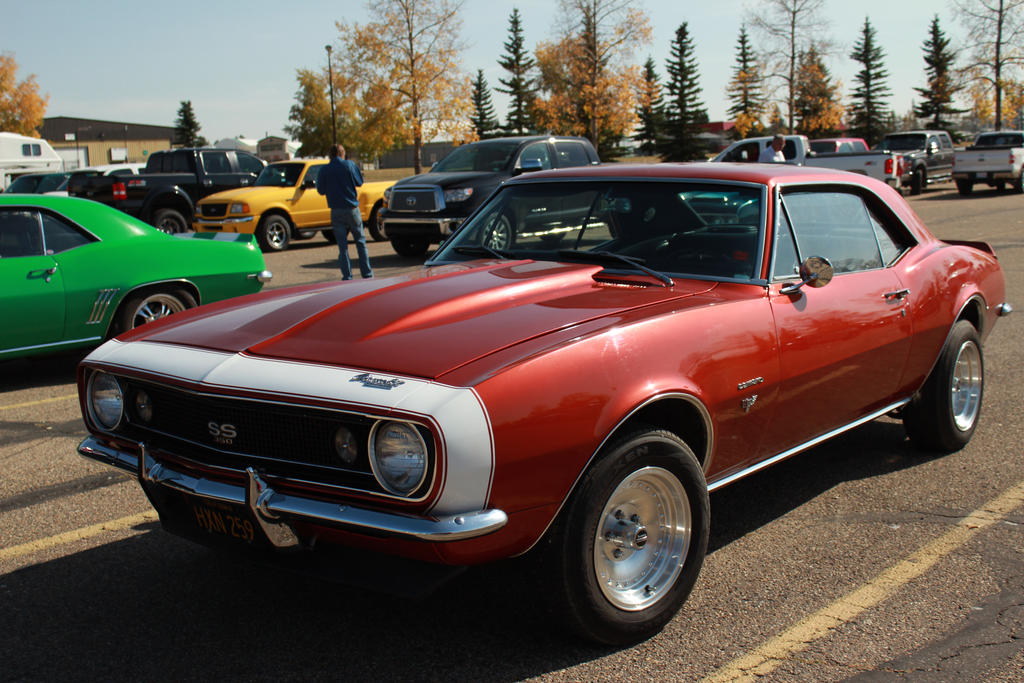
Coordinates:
860 559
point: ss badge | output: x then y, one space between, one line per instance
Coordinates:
222 433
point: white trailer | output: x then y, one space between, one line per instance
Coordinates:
22 154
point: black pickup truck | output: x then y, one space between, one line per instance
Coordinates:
424 209
166 192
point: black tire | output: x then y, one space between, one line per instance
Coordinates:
604 532
943 415
1017 185
1000 185
170 221
964 186
274 232
410 247
917 181
329 236
375 226
152 305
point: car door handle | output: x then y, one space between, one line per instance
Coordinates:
898 295
43 271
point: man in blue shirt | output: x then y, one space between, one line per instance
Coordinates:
338 181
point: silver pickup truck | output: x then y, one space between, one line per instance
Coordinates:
884 166
995 159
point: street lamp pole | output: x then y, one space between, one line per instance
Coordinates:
330 88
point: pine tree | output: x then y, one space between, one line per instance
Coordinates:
650 112
684 112
186 127
868 111
817 106
745 90
483 119
940 72
520 85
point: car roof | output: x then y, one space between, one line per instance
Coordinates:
728 171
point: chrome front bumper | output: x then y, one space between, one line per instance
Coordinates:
274 511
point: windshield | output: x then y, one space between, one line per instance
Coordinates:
903 143
485 157
280 175
681 228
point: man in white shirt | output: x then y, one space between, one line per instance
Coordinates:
773 152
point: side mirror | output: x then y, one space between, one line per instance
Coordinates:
529 166
815 271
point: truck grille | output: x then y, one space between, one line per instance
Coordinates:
277 439
215 210
418 199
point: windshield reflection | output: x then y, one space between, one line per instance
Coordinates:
682 228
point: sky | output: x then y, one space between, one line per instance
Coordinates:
236 61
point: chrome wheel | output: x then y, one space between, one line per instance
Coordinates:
966 385
500 234
642 539
154 307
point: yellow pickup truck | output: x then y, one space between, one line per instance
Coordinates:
283 205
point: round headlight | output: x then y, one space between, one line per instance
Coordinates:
143 406
106 401
345 445
399 457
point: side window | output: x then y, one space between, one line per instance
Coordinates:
216 162
789 149
748 151
571 154
892 242
31 150
19 233
155 163
181 162
933 142
786 263
250 164
835 225
59 236
946 143
313 172
536 151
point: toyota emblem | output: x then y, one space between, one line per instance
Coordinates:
410 201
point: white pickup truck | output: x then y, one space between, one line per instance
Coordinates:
884 166
995 159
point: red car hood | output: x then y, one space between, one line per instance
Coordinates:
425 324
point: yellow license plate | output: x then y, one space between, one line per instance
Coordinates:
224 520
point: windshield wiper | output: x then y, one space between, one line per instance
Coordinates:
482 250
610 256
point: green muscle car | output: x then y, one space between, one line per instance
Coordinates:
74 272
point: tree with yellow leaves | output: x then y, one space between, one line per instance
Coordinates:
817 107
405 66
587 84
21 106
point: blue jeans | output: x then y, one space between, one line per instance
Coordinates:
343 222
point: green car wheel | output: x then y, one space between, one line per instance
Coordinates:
153 305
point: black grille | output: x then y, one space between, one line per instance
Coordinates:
214 210
280 440
414 199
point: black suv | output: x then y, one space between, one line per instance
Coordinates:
927 156
424 209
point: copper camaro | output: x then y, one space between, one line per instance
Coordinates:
590 354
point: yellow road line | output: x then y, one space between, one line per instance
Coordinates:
776 651
77 535
39 402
